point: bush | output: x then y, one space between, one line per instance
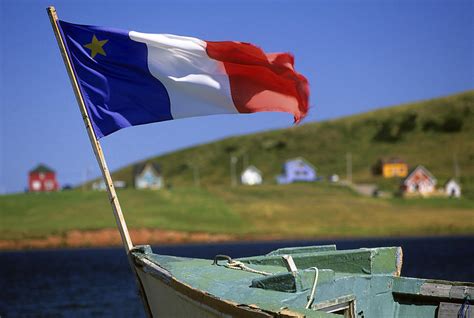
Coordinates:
452 123
408 123
377 168
431 125
393 130
273 144
231 149
388 131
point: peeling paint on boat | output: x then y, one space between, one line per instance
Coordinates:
355 283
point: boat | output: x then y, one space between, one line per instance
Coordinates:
315 281
312 281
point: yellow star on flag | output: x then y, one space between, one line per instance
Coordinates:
96 47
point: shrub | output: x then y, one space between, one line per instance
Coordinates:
388 131
452 123
408 123
431 125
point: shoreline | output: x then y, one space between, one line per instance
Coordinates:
110 238
103 238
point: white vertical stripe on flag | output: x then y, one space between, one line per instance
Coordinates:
197 85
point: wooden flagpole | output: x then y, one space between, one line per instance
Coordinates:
114 202
122 226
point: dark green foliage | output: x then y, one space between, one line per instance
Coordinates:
183 167
449 124
452 123
377 168
389 131
231 149
431 125
272 144
392 130
408 122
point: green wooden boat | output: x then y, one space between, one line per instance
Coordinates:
316 281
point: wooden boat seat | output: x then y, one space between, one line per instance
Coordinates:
385 260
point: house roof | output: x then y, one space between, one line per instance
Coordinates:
138 168
301 159
252 168
420 167
41 168
451 180
392 160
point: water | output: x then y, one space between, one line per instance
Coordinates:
98 282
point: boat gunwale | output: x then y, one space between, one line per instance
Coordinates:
221 305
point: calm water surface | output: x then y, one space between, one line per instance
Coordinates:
98 282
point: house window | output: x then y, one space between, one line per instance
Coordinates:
49 185
36 185
301 173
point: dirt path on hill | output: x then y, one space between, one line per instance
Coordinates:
111 237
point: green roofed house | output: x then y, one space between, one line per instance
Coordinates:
148 176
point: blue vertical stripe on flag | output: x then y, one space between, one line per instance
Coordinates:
113 75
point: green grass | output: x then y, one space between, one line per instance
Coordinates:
38 215
325 144
290 211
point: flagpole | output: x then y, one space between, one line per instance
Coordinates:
113 199
122 226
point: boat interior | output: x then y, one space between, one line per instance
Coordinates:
314 281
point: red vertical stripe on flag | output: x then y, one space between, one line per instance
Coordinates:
262 82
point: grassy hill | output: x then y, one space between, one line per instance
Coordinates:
311 210
434 133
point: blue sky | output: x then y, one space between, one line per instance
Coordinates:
357 56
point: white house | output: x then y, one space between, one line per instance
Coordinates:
148 176
419 181
334 178
251 176
100 185
452 189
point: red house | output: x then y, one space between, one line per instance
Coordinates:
42 179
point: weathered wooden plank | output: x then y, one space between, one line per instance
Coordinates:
460 292
448 310
427 288
435 290
331 304
407 285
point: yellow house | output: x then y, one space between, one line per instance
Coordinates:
394 168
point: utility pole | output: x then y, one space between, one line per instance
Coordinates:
85 177
349 167
457 173
245 160
233 176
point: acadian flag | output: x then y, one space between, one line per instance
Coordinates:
129 78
